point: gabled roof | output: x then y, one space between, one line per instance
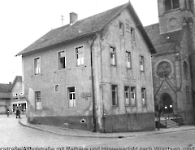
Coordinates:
5 88
84 27
17 79
164 42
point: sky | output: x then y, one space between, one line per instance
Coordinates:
24 21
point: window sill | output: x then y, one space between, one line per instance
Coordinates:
112 65
129 68
169 11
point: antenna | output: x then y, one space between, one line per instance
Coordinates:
62 18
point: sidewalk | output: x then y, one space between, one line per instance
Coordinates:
89 134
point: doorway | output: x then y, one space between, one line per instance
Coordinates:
167 103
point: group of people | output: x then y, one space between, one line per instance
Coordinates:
17 112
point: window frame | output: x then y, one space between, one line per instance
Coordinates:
35 65
141 63
128 57
121 28
36 101
74 97
132 32
77 55
58 56
129 95
58 88
171 5
143 92
112 54
115 93
135 94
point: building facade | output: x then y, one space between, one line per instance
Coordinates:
5 97
17 95
173 64
92 74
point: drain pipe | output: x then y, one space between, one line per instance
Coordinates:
93 88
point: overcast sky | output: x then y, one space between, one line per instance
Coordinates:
24 21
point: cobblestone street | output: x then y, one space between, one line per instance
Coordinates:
13 134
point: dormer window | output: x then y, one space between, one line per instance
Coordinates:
171 4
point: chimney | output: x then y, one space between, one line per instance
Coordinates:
73 18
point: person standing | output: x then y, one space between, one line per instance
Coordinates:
17 113
7 111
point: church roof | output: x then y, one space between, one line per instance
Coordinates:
85 27
164 42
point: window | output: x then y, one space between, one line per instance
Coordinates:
128 59
112 56
143 92
163 69
38 105
61 60
187 94
185 69
127 96
191 5
114 95
133 96
15 95
132 34
171 4
72 98
37 66
57 88
141 63
121 28
80 55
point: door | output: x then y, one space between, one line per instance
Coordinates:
167 103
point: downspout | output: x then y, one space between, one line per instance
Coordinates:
93 88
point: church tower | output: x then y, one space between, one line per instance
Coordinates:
174 62
173 14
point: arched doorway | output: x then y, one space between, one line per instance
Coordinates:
167 103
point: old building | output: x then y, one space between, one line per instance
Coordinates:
92 74
17 96
174 63
5 97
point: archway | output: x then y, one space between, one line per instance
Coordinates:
167 103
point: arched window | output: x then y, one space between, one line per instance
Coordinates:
185 69
163 69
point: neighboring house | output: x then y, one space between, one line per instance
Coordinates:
174 62
18 99
92 74
5 97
